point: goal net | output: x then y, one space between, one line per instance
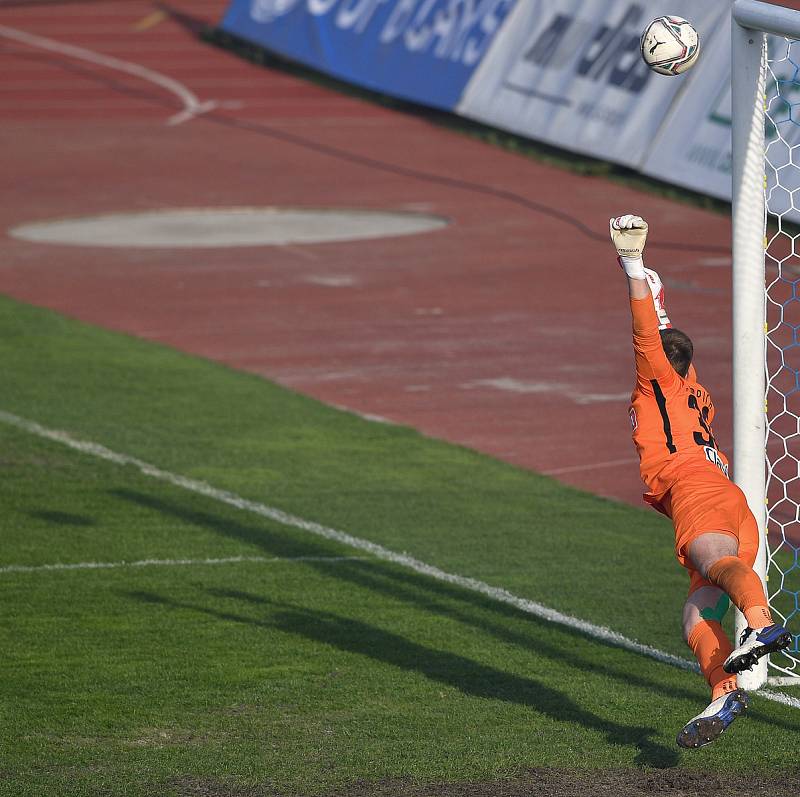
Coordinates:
765 106
782 350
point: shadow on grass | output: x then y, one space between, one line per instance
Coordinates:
451 669
58 518
422 592
426 594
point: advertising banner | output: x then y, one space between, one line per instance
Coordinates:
570 73
566 72
420 50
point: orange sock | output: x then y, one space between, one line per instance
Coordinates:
744 588
711 646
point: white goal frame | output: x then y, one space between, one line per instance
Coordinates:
751 21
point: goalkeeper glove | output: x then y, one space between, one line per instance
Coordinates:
629 234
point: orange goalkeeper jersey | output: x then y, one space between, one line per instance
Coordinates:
671 415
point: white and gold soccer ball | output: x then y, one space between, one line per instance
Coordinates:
670 45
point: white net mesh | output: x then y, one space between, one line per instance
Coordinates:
783 342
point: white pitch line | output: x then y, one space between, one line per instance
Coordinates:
171 563
191 104
499 594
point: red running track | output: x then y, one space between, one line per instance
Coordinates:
507 331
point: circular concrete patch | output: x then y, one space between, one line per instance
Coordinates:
223 227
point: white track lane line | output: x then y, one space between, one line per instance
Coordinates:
611 463
192 106
56 566
404 560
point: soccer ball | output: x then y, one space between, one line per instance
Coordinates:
670 45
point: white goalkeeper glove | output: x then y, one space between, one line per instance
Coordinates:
657 289
629 234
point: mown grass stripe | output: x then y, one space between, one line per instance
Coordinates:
600 633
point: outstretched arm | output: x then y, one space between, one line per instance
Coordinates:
629 234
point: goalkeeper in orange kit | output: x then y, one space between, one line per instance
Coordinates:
716 535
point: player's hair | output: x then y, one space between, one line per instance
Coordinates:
678 348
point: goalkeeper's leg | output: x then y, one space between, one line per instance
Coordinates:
717 535
727 563
702 629
716 555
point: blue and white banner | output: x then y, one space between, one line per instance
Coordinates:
570 73
693 147
420 50
567 72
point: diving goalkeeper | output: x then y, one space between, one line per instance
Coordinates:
716 535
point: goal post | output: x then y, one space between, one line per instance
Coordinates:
766 367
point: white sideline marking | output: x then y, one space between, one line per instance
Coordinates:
171 563
495 593
785 680
191 104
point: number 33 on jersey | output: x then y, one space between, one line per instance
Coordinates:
671 415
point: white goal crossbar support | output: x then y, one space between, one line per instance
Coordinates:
751 21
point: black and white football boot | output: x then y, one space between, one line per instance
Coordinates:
712 722
755 643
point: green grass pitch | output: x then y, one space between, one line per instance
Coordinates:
316 665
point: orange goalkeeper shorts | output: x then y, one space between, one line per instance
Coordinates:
703 500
